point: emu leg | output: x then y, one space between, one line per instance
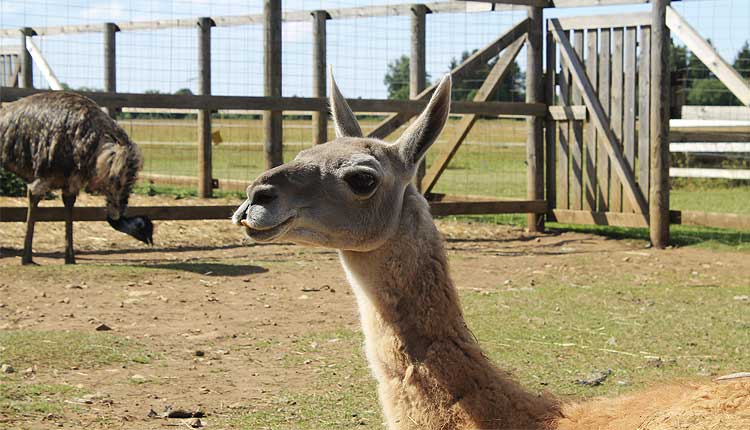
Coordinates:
30 220
69 200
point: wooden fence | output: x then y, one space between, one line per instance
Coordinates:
598 129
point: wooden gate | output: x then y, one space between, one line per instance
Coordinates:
598 133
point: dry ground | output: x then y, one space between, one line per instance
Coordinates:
277 329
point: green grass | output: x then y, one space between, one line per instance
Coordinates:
548 335
66 349
18 399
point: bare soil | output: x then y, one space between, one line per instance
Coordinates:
203 287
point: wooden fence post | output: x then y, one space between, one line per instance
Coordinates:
659 115
417 66
27 76
272 81
535 137
319 119
205 182
110 61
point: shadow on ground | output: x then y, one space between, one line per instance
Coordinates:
211 269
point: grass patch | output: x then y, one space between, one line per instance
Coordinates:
20 400
548 336
65 349
343 394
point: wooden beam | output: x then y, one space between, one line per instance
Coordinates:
592 71
533 3
493 81
604 91
26 79
224 212
683 172
600 120
630 102
44 67
709 56
644 111
588 3
534 126
620 219
699 147
490 207
319 119
257 19
272 126
659 133
550 137
205 161
738 113
593 22
477 59
187 102
711 219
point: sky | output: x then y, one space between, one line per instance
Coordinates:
358 49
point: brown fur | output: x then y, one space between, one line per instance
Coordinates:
430 369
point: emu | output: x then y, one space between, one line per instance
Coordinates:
65 141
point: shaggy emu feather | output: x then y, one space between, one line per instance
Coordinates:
64 141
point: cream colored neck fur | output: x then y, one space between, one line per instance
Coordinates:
429 367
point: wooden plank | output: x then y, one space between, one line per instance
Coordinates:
592 102
568 113
418 69
602 159
563 147
550 127
684 172
587 3
26 78
287 16
576 138
644 111
620 219
740 113
534 3
589 155
224 212
709 56
491 83
477 59
272 125
711 219
708 131
698 147
188 102
43 65
534 126
494 207
616 111
205 162
629 103
93 213
590 22
319 119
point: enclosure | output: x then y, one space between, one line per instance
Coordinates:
566 115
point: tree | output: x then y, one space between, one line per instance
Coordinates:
397 78
742 61
710 92
184 92
511 88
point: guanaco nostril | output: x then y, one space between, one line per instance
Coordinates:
263 196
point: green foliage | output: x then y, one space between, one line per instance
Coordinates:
11 185
511 88
397 78
710 92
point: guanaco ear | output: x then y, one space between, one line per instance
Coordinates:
344 121
424 131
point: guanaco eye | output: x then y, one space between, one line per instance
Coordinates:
361 183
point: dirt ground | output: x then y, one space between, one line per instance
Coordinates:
203 301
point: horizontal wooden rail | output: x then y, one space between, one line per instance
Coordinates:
586 22
619 219
685 172
716 147
215 212
317 104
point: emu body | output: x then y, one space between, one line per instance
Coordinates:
356 195
64 141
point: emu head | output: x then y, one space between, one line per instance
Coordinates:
140 227
345 194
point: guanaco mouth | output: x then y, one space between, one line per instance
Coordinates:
266 234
